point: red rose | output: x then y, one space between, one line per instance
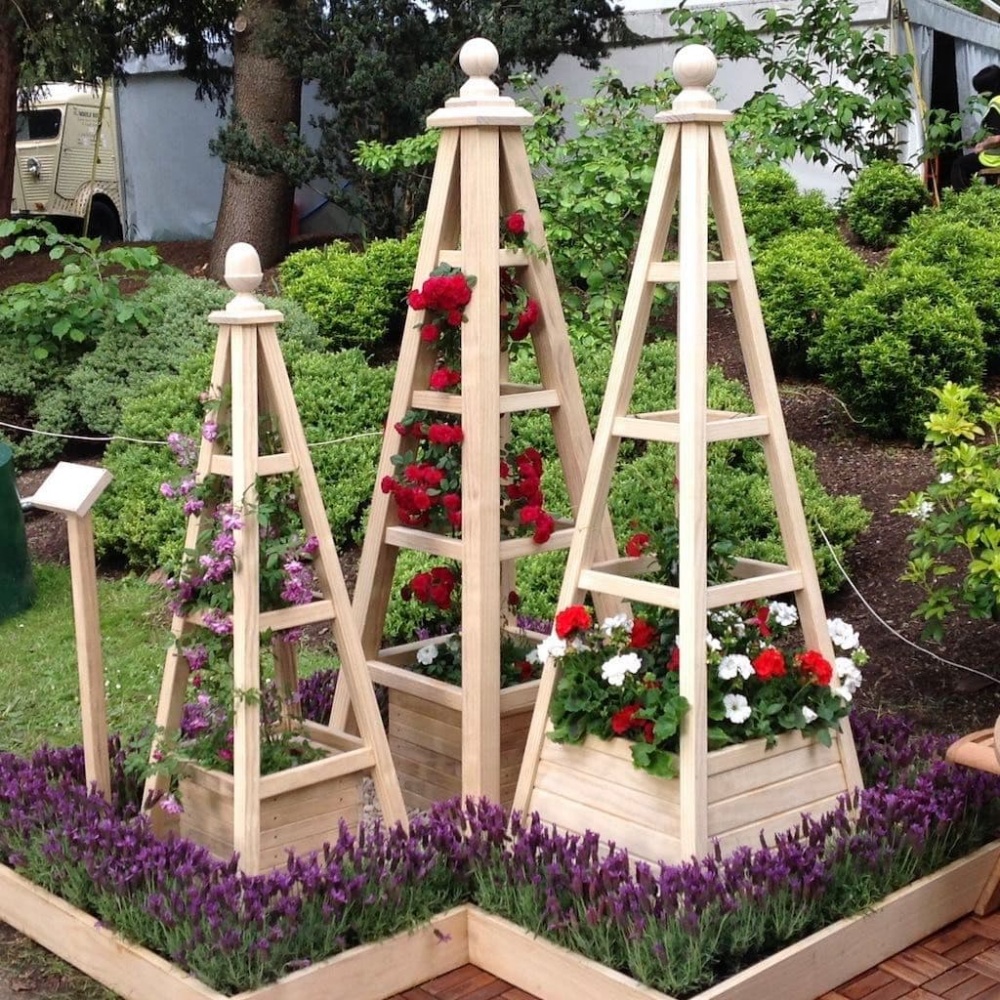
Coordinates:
513 599
445 434
429 333
544 527
451 501
643 634
527 671
636 545
623 721
416 299
455 518
515 223
769 663
455 317
441 595
444 378
389 484
576 617
674 663
816 664
529 515
420 585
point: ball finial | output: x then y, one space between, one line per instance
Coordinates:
243 275
479 57
694 69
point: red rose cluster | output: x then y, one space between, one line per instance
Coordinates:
521 481
435 586
425 487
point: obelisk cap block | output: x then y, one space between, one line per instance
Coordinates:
479 101
694 69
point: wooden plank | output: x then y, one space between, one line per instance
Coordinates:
642 591
749 834
604 798
88 945
665 271
334 766
525 399
397 679
791 796
755 588
90 665
518 548
654 427
801 972
771 767
747 754
433 544
299 614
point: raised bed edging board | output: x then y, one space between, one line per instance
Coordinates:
804 971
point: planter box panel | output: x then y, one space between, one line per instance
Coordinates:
425 739
609 797
750 833
302 819
762 799
771 766
642 842
594 785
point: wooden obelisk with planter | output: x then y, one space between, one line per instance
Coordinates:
734 793
300 807
448 740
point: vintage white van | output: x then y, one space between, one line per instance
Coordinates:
67 165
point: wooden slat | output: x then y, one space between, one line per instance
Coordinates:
513 399
336 766
505 258
642 591
664 427
299 614
267 465
324 735
397 679
418 540
744 755
665 271
755 588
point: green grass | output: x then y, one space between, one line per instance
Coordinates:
39 688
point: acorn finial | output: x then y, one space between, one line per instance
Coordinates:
243 275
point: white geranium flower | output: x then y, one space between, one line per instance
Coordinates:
945 477
808 714
551 646
715 645
426 655
842 635
843 692
735 665
617 668
847 673
616 621
738 709
785 615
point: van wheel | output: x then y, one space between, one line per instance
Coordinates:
104 222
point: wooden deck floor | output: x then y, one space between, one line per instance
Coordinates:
961 962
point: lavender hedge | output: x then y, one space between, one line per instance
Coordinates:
675 928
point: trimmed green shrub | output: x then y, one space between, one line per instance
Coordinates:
883 348
342 402
177 307
881 201
772 205
968 255
800 277
358 299
977 207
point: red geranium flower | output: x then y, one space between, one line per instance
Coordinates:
816 664
769 663
642 634
623 721
636 545
571 619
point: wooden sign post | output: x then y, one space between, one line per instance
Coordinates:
71 490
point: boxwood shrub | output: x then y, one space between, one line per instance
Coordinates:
800 276
881 201
342 401
772 205
358 298
881 349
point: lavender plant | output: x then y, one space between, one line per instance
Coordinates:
675 928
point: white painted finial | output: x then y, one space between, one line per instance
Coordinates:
243 275
479 60
694 67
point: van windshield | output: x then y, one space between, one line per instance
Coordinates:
40 124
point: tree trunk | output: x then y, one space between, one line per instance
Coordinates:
9 71
257 209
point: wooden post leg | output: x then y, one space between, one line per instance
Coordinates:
86 620
286 676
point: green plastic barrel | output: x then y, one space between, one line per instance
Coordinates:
17 585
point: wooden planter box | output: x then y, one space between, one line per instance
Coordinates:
594 785
300 814
803 971
425 730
